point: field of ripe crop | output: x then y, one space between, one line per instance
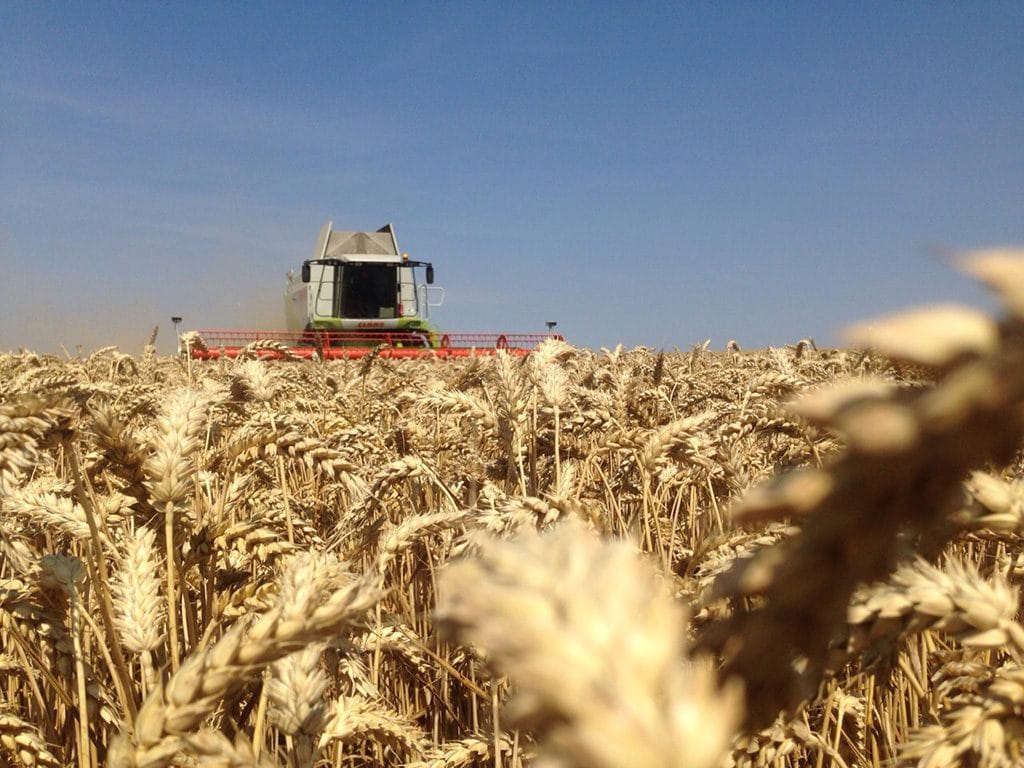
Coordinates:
786 557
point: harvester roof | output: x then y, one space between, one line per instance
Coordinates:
341 243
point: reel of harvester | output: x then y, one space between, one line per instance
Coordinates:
346 345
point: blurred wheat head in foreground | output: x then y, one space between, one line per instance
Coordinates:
622 558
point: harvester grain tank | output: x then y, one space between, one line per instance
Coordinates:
359 293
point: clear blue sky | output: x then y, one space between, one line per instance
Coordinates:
652 174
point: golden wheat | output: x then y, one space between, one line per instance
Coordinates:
238 562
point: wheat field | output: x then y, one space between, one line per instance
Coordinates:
787 557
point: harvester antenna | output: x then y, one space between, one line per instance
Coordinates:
551 324
175 320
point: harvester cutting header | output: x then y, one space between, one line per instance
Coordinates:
358 294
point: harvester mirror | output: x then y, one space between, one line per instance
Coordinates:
305 272
430 274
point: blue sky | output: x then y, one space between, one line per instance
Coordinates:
653 174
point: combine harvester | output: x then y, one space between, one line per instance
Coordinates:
358 295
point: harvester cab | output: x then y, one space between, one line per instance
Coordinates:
360 282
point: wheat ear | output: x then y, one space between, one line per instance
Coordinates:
23 741
594 647
302 615
907 453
